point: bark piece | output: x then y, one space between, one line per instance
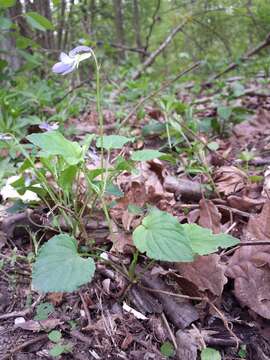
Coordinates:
187 189
179 311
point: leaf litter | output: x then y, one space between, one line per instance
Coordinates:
211 301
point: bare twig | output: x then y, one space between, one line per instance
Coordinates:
154 93
243 58
169 330
151 28
225 322
150 60
87 313
23 312
24 345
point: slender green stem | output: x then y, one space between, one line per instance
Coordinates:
99 110
101 132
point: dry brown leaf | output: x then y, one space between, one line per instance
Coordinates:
206 272
55 298
230 179
266 183
244 203
258 125
210 216
122 241
250 266
146 187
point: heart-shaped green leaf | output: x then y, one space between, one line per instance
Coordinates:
54 143
59 267
162 238
113 142
146 155
204 242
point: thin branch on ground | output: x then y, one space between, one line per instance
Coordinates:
24 345
155 92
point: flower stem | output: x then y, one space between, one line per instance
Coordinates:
99 110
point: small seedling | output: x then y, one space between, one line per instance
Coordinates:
60 347
167 349
43 311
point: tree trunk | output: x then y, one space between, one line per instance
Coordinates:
137 27
61 23
117 4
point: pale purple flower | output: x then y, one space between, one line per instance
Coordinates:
48 127
70 62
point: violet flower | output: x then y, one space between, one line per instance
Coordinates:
48 127
70 62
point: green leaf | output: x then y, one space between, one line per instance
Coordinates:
38 21
57 350
7 3
210 354
54 143
23 42
167 349
59 267
43 311
204 242
113 142
146 155
5 23
112 189
67 177
224 112
162 238
134 209
55 336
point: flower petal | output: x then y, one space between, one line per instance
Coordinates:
65 58
61 68
78 50
70 69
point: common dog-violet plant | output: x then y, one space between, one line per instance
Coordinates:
59 266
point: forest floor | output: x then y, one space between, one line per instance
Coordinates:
220 300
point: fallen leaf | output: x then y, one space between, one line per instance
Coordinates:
55 298
144 187
266 183
250 265
210 216
257 125
244 203
206 273
230 179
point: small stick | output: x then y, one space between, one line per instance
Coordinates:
87 313
169 330
225 322
23 312
24 345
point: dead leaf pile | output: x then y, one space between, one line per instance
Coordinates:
230 179
250 265
258 125
146 187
